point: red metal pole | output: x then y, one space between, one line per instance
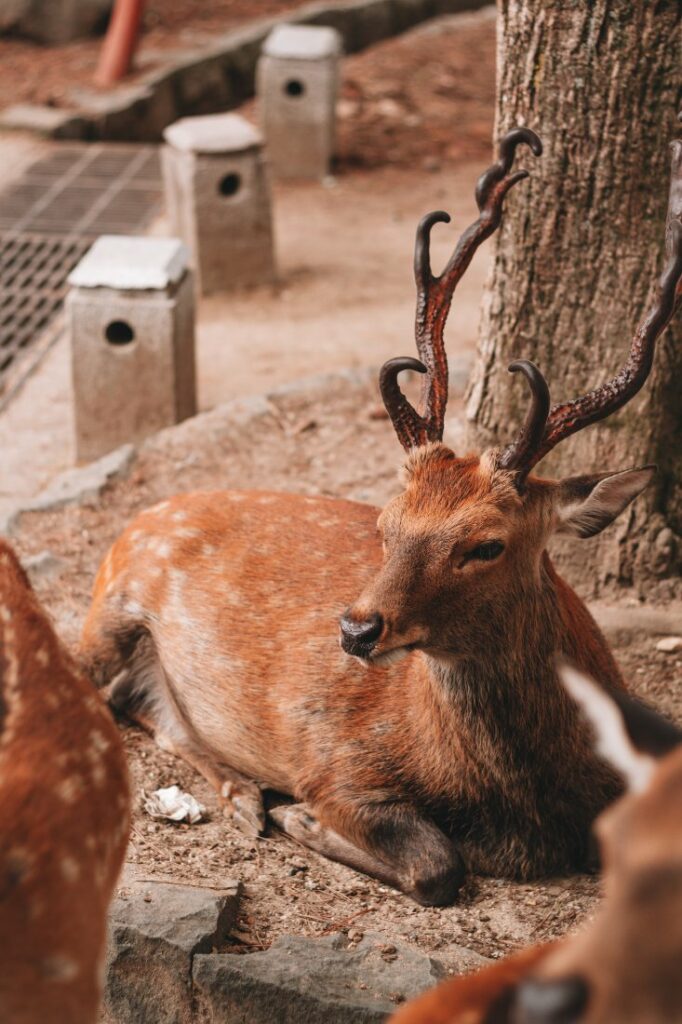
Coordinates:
119 43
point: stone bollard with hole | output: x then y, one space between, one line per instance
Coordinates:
131 319
297 84
218 199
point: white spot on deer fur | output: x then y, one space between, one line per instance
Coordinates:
42 657
160 547
59 968
69 789
70 869
187 533
179 516
267 499
161 507
99 742
133 608
236 496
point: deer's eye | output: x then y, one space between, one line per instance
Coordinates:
486 552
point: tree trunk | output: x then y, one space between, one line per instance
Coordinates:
580 249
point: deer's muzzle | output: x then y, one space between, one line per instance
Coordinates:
359 638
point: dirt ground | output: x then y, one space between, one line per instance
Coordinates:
345 291
334 445
31 73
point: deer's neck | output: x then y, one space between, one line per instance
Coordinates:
510 689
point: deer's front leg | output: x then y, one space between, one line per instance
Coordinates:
391 842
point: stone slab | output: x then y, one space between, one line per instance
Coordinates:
620 622
319 981
131 263
43 120
302 42
81 486
156 929
214 133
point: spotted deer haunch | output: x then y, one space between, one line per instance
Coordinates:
65 818
437 733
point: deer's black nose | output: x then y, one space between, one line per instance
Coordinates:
560 1001
359 638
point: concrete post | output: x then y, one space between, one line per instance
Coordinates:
297 82
218 199
131 318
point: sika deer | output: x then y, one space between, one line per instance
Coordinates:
624 967
215 612
65 805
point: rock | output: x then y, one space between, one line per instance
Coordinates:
156 930
44 566
319 981
43 120
82 485
670 644
620 624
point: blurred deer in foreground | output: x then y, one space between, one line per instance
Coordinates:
624 967
64 804
214 615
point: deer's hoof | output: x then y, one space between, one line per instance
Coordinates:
247 813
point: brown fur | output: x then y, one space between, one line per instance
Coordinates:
480 998
629 955
65 807
222 608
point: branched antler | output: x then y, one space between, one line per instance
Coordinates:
434 297
534 442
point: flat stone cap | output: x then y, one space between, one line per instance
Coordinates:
302 42
131 263
213 133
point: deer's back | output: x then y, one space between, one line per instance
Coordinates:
64 799
241 594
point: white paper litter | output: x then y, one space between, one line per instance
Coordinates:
173 804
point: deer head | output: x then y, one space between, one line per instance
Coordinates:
625 966
465 539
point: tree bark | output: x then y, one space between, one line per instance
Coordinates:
581 247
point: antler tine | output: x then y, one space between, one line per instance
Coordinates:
568 418
516 454
409 425
434 296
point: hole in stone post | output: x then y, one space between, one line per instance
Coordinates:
294 87
230 184
118 332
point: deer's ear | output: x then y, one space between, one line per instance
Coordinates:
630 735
586 504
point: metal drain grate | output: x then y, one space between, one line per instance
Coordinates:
48 220
33 272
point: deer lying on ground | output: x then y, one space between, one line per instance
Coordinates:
64 803
624 968
215 614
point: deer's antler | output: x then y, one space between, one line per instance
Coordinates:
434 296
567 418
